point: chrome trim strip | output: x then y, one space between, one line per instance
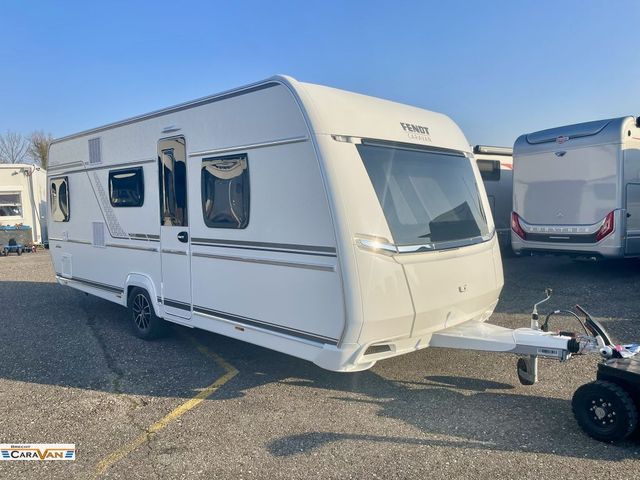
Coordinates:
174 252
266 246
272 143
132 247
310 266
145 237
65 165
82 242
388 248
251 322
102 167
92 284
561 229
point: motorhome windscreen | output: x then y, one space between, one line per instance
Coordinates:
428 198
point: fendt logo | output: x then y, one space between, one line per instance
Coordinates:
38 451
416 132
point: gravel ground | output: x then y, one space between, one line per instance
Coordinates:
71 371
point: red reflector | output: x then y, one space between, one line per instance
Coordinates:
516 227
606 228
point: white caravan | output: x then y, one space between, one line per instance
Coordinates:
496 169
577 190
23 193
335 227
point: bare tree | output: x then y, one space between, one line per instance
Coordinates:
39 148
13 147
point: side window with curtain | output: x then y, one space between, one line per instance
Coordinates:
225 191
59 199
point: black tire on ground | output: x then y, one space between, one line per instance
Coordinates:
146 324
523 365
19 250
605 411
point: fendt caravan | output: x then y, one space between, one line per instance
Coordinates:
23 194
332 226
577 190
496 169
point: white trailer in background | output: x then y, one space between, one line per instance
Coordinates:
496 169
577 190
331 226
23 193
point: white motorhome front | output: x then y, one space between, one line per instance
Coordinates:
23 198
577 190
328 225
496 169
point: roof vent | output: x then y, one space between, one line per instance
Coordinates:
95 151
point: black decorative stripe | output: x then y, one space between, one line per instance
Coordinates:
175 304
266 325
561 238
267 246
102 286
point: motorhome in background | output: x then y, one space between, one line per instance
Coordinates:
328 225
23 198
496 169
577 190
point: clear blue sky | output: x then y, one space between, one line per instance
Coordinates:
498 68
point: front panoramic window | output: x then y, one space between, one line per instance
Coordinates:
428 198
10 204
126 187
225 191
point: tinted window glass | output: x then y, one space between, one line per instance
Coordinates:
489 170
427 197
59 199
126 187
10 204
172 167
225 191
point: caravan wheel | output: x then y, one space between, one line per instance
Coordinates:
146 324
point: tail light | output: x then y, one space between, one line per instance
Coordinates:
606 228
516 227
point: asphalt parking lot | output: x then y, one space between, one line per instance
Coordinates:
198 405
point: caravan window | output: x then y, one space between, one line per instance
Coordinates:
172 168
428 197
126 187
225 191
60 199
489 170
10 204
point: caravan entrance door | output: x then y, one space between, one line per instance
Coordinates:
174 227
632 246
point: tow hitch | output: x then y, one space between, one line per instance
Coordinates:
606 409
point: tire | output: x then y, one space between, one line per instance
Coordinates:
605 411
146 324
19 251
522 366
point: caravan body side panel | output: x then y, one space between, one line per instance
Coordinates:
276 282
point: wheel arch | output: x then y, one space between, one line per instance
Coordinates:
140 280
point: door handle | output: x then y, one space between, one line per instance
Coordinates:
183 237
